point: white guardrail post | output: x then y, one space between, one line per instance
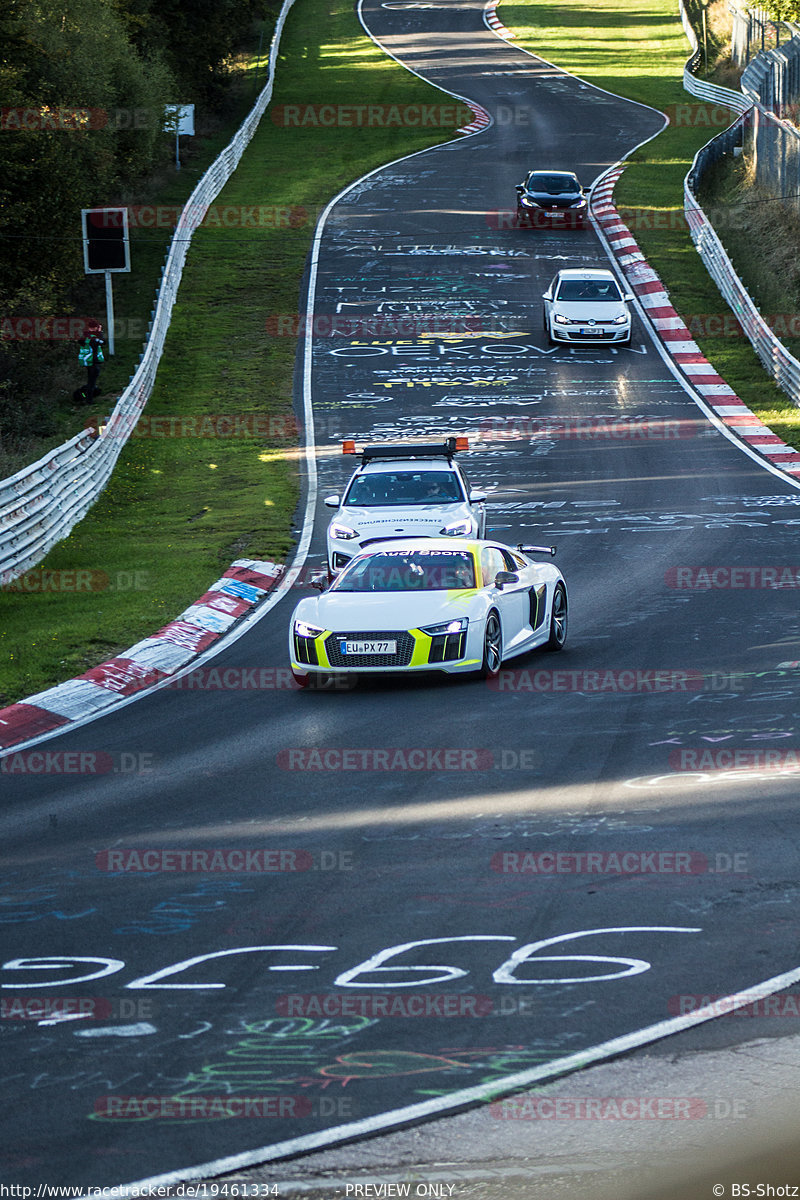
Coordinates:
776 359
42 502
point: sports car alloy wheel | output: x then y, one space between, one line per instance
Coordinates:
492 647
558 619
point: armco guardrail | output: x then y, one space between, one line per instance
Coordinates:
700 87
776 359
41 503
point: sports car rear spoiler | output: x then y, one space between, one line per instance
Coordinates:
444 449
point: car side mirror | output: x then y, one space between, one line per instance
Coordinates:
331 501
627 297
476 497
318 582
520 188
504 577
548 295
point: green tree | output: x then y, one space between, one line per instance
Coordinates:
784 10
82 117
196 39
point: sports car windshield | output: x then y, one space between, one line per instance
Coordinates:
388 489
589 289
554 185
417 571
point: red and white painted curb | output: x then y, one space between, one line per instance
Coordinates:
676 339
493 21
481 119
243 586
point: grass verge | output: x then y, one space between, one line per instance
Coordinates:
179 508
640 53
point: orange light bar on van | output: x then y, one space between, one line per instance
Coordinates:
462 443
348 447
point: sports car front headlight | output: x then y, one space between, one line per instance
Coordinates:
526 200
578 204
560 319
343 532
457 528
303 629
456 626
623 320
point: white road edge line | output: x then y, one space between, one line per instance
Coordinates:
465 1097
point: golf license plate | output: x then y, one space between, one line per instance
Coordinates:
370 647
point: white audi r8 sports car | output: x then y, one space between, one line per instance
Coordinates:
403 491
430 604
587 306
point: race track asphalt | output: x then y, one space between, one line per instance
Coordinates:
570 864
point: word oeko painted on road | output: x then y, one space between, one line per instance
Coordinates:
60 970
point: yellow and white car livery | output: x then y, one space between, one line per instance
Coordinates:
430 604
